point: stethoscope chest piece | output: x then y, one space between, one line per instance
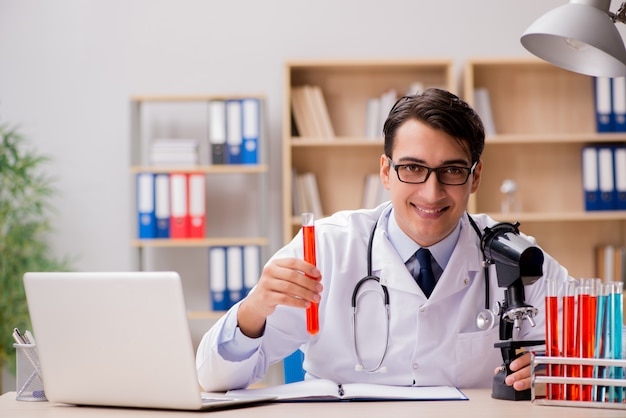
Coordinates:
485 319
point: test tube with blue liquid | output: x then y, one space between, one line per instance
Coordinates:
601 348
616 372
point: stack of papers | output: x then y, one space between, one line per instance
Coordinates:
175 151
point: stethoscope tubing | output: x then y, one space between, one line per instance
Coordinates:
485 319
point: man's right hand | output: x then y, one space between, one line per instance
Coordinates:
286 281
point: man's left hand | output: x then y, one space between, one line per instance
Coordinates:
520 376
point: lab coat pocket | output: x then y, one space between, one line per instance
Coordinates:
477 358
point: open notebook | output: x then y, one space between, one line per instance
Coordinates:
117 339
326 390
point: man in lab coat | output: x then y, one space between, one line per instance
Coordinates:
431 165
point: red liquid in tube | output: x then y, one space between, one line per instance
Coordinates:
569 345
552 345
586 333
312 317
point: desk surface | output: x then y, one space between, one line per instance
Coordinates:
480 404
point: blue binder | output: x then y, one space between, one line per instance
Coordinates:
292 367
251 267
217 278
590 178
619 161
606 179
217 131
250 130
234 136
162 205
603 102
619 104
234 274
145 206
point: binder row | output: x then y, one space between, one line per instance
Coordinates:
171 205
234 127
610 102
233 271
604 177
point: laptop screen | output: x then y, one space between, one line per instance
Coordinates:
118 339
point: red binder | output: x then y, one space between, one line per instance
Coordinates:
179 213
197 205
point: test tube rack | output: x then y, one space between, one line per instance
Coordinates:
539 378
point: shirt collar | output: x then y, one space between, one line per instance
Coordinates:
406 247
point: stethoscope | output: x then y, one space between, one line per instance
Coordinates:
485 319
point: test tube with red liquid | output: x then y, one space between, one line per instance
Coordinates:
308 233
585 333
554 390
570 346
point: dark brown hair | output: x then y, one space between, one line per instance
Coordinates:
441 110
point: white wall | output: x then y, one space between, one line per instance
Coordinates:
68 68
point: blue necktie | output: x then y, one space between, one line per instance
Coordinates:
426 278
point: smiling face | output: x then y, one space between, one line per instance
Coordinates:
430 211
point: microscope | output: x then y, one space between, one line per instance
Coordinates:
518 264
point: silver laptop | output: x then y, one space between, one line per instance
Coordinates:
117 339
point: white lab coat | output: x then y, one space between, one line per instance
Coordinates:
432 341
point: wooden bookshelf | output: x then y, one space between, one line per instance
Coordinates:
543 116
342 163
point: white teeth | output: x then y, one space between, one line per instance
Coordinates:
428 210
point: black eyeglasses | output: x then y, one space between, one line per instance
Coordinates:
450 175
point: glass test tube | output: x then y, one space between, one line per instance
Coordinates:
554 390
308 233
585 332
601 348
569 339
616 392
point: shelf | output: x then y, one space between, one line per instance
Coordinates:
199 242
538 139
207 169
502 139
337 142
204 315
190 97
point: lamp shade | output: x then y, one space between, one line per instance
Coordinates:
579 36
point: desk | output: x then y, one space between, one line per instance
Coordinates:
480 405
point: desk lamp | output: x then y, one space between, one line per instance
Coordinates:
518 264
581 37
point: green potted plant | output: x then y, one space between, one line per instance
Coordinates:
24 224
